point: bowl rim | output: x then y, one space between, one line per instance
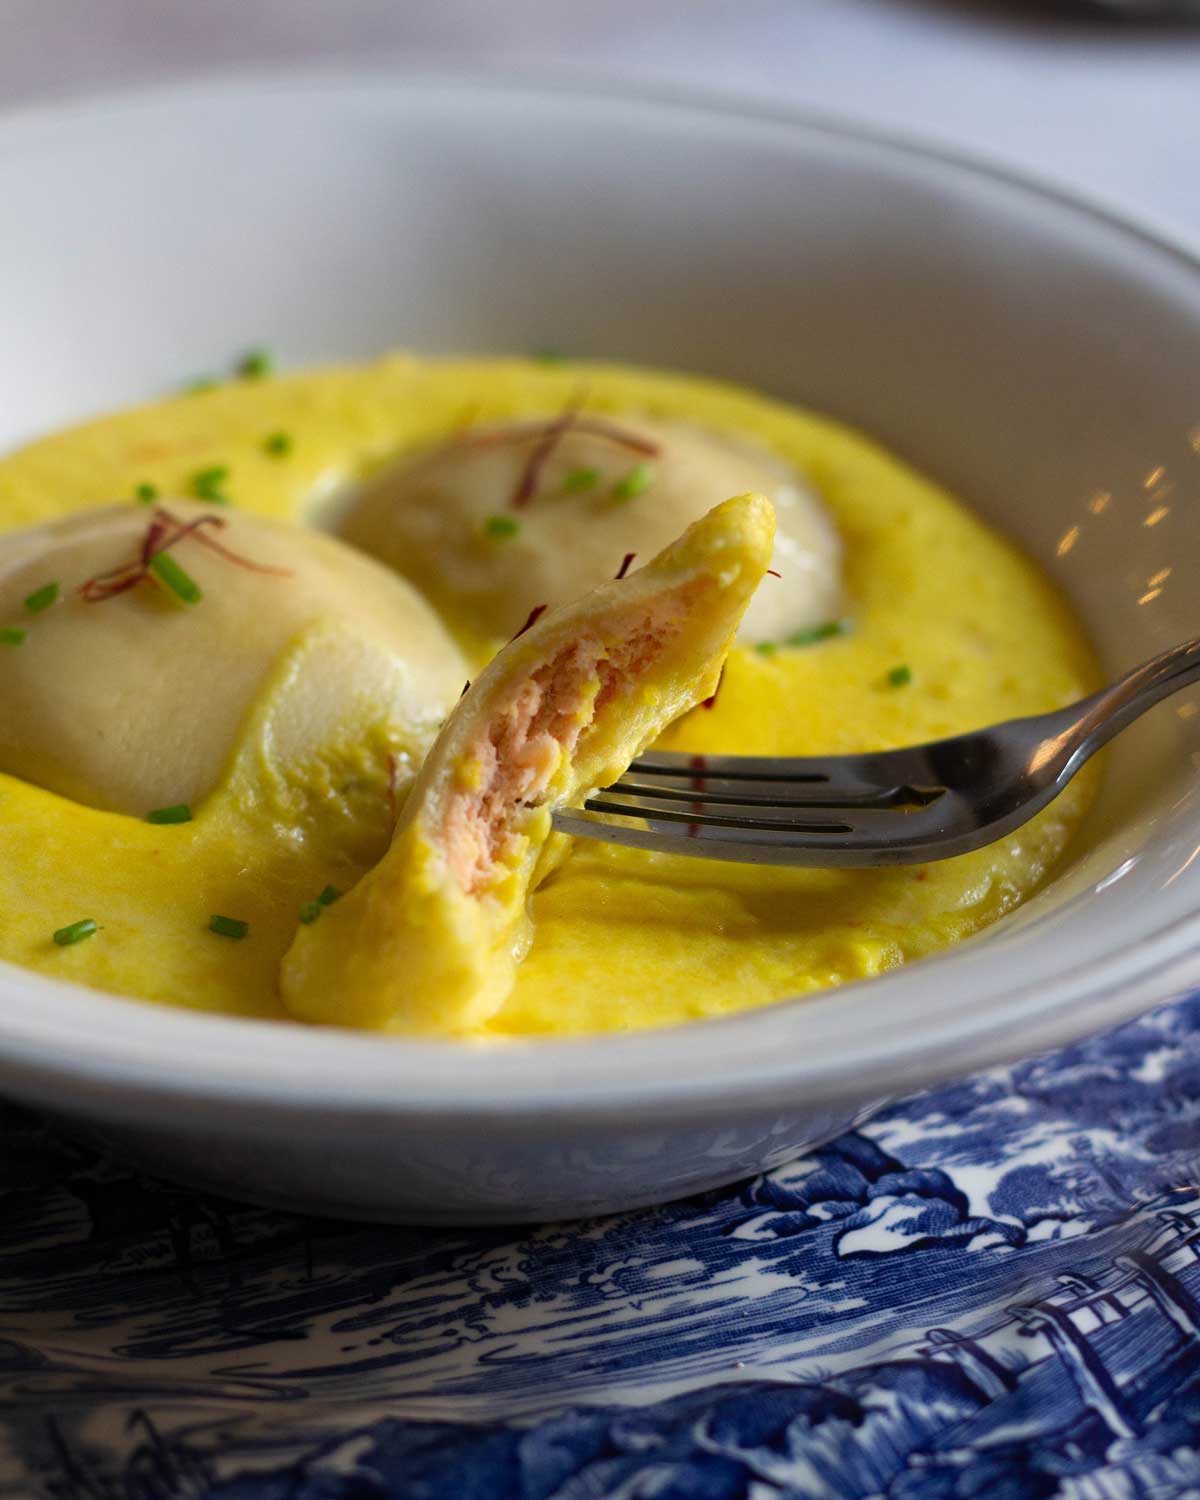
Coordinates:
67 1044
560 79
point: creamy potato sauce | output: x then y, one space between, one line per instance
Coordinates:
622 939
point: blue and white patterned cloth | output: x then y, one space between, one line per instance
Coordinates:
990 1292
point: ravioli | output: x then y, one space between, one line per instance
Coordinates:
429 939
502 518
623 939
125 695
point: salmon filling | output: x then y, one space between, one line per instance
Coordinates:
510 769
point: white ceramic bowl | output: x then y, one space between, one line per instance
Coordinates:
1040 358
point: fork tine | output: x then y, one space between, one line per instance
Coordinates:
882 770
766 846
735 792
734 767
838 820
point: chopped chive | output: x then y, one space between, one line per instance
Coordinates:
173 577
766 648
75 932
817 633
230 927
180 812
639 478
500 526
12 635
41 598
579 480
145 494
311 910
549 356
278 444
900 676
206 484
201 384
256 363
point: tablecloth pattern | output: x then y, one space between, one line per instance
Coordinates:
992 1290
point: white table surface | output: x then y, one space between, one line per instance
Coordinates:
1112 110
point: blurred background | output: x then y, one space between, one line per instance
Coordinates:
1100 95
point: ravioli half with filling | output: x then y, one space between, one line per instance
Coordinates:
429 940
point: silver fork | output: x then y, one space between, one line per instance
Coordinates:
895 807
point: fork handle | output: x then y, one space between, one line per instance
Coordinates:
1114 708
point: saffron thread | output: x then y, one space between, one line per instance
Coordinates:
535 614
711 701
164 532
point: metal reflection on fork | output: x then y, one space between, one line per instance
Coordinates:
894 807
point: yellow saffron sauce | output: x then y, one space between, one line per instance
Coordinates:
623 939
